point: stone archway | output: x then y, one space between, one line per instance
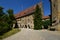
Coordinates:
25 26
28 26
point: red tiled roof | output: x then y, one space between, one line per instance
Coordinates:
45 17
25 12
28 11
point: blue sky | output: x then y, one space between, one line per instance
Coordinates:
19 5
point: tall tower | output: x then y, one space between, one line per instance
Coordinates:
58 6
55 10
56 13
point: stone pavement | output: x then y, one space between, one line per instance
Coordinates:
30 34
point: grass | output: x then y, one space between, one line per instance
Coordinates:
11 32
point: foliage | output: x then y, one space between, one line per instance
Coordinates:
12 18
6 20
10 13
37 18
46 23
3 22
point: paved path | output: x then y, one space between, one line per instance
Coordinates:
30 34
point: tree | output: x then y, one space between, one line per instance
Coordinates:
1 13
12 18
37 18
4 27
6 20
46 23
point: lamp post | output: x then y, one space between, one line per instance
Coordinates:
50 12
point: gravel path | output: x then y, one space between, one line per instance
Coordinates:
30 34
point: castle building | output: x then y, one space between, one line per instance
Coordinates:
56 12
25 18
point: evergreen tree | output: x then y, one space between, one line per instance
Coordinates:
4 26
1 13
37 18
12 18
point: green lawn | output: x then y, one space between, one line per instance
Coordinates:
13 31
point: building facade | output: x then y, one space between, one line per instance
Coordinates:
25 19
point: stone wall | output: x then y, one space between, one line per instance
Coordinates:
59 10
26 22
56 12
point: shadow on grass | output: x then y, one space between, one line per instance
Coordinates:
11 32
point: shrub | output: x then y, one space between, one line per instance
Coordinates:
46 23
4 27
